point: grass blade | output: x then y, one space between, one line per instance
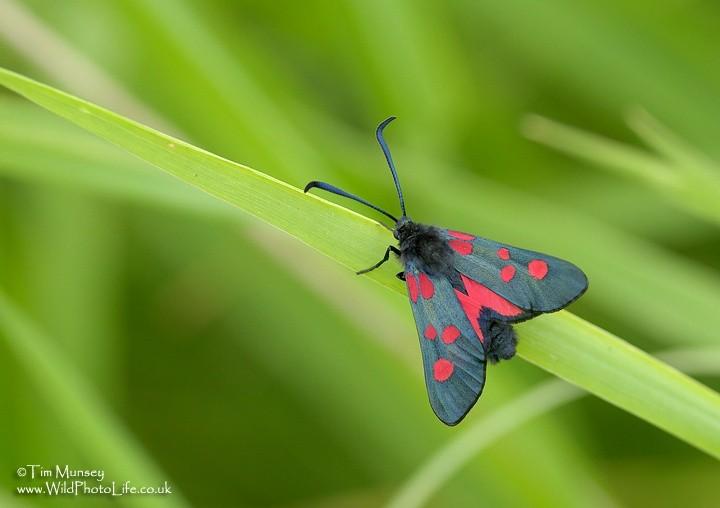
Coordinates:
545 397
89 425
687 178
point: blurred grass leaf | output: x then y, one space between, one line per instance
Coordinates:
562 344
689 179
87 421
628 288
541 399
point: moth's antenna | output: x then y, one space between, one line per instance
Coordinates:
388 157
336 190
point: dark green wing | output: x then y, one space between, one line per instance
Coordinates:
531 280
453 355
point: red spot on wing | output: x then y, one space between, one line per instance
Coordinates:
426 286
503 253
507 273
538 268
479 297
412 285
462 247
461 236
450 334
430 332
442 370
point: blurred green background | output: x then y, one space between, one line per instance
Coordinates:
247 370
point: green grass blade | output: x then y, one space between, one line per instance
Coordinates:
252 110
614 370
689 180
686 157
30 36
307 217
545 397
562 344
596 149
628 288
440 468
87 422
581 47
71 292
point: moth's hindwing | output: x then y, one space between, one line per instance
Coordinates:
453 356
531 280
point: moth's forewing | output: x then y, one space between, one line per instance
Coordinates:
531 280
453 356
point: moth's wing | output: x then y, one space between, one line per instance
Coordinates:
530 280
453 356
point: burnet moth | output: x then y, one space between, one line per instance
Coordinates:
465 292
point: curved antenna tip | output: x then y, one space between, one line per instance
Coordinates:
310 185
384 123
388 158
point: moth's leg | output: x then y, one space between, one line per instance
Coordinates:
390 248
401 276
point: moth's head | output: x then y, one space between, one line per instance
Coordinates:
403 228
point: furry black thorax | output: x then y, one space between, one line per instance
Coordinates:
424 247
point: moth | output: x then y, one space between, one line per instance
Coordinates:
466 292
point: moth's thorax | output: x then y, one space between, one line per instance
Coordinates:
424 247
